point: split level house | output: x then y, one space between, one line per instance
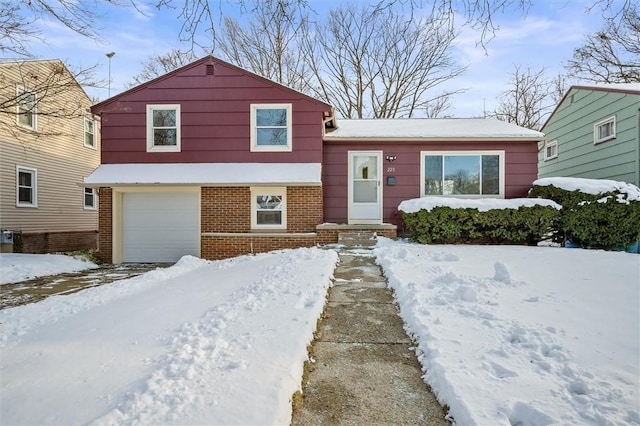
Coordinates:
594 132
48 143
214 161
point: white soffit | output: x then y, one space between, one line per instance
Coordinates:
205 174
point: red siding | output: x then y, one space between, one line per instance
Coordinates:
521 169
215 118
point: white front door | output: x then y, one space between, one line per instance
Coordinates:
365 187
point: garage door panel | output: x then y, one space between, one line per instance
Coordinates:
160 227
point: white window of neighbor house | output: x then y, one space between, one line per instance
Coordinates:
271 127
26 108
26 187
604 130
89 132
90 199
551 150
269 208
462 173
163 128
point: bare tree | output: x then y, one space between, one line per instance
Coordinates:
267 44
201 21
380 63
158 65
611 55
18 21
529 99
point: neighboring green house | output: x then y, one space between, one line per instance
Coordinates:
594 132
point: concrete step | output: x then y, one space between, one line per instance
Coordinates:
357 239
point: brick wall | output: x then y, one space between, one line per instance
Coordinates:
304 208
225 209
51 242
222 247
105 225
228 210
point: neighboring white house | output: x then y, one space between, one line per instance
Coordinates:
48 143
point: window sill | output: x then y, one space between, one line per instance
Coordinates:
598 142
271 148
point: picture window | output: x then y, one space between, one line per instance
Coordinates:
463 173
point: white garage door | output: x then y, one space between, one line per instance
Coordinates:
160 226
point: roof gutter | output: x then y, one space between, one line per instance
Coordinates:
366 139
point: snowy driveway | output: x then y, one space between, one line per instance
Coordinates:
196 343
36 289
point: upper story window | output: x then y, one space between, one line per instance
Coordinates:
269 208
271 127
163 128
89 132
465 173
90 199
26 108
26 187
551 150
604 130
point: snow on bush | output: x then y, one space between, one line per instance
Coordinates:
591 186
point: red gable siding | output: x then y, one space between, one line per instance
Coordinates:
215 118
521 169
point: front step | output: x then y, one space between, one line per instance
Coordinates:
357 239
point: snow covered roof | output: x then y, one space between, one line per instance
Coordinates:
205 174
432 129
622 87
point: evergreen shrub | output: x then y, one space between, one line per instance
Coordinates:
608 220
446 225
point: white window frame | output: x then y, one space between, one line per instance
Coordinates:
94 199
20 92
151 147
254 129
554 145
596 130
34 186
268 190
501 183
86 132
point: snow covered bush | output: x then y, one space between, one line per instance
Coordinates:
596 213
486 221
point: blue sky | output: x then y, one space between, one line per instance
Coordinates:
545 37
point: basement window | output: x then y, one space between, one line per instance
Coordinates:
268 208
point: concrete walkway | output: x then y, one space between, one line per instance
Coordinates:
365 371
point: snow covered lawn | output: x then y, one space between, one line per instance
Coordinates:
508 335
15 267
197 343
523 335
